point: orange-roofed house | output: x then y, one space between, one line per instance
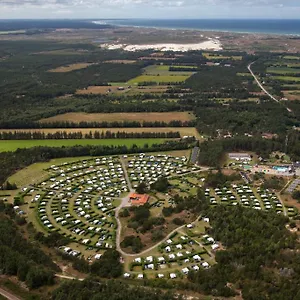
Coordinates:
138 199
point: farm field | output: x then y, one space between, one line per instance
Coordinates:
121 117
120 61
282 70
165 70
212 56
184 131
286 78
12 145
159 79
292 95
122 88
100 90
291 57
69 68
160 74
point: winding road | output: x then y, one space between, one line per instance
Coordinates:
125 203
262 87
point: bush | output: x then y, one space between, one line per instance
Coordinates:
134 242
178 221
109 265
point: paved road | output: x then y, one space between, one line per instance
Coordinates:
8 295
126 174
125 203
262 87
293 186
68 277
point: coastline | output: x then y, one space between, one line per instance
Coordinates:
216 30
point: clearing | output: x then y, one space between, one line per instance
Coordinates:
121 117
69 68
120 61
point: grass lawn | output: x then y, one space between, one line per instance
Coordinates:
12 145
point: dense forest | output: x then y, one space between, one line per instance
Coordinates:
20 258
114 290
211 152
260 257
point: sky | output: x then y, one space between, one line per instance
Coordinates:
155 9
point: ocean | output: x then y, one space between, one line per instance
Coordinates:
280 26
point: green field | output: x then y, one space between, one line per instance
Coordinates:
12 32
292 86
286 78
12 145
158 79
291 57
244 74
212 56
283 70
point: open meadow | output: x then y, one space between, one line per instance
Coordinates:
12 145
121 117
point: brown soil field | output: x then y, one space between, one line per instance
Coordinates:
292 95
157 58
121 61
69 68
190 131
151 89
111 117
101 90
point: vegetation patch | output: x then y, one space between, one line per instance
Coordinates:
69 68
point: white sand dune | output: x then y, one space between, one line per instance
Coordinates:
211 44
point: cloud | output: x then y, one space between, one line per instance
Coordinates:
159 3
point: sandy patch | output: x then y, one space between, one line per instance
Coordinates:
69 68
212 44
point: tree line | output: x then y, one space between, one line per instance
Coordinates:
103 124
24 135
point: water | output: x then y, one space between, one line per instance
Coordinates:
280 26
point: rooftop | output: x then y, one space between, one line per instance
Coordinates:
138 199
